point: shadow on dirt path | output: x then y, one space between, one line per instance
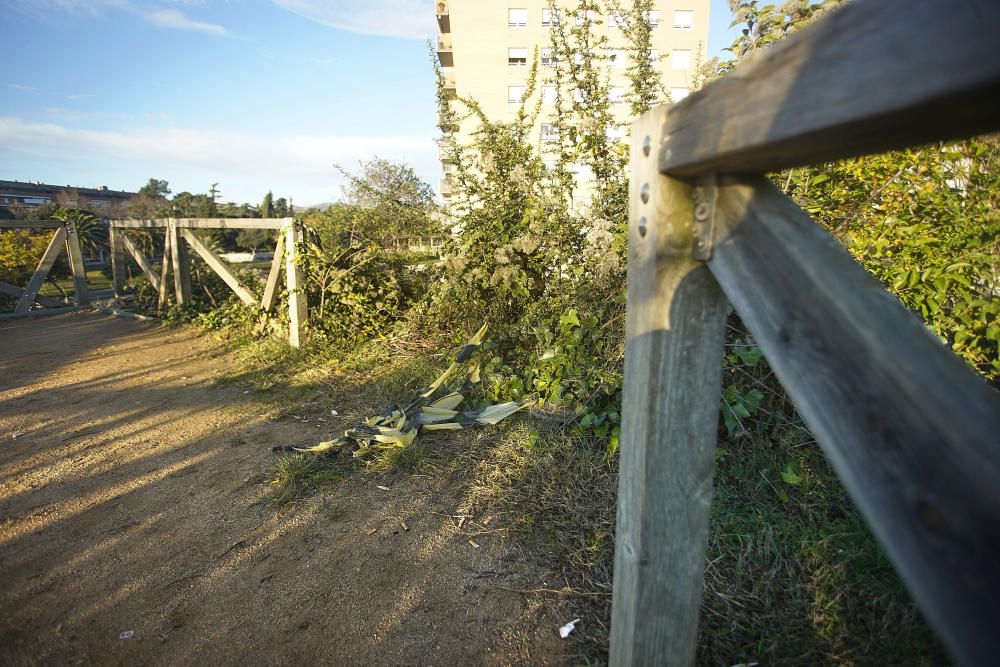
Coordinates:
132 532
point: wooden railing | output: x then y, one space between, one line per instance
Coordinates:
911 431
178 237
64 237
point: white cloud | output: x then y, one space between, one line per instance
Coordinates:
171 18
22 87
246 165
412 19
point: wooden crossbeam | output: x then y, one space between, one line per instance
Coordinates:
217 265
271 287
911 430
140 259
14 290
42 271
872 76
204 223
30 224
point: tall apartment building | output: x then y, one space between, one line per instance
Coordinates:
485 47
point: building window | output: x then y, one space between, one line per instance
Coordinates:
549 95
683 19
550 132
583 17
681 59
653 17
617 58
548 58
550 17
515 93
517 18
517 56
616 134
678 94
616 95
617 20
448 167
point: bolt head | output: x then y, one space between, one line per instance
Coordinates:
644 193
642 226
647 145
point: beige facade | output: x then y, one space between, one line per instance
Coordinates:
485 48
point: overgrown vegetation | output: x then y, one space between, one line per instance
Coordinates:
794 575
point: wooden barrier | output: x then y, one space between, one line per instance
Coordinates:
912 432
65 238
179 235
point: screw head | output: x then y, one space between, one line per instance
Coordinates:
644 193
642 226
701 211
647 145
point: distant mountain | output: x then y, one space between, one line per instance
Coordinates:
321 206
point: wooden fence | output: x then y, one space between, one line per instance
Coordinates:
912 432
64 237
179 237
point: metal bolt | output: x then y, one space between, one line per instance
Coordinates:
644 193
642 226
647 145
701 211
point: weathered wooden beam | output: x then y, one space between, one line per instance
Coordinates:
14 290
872 76
271 287
179 259
164 296
206 223
116 238
30 224
670 407
79 271
913 433
140 259
44 266
217 265
36 313
297 308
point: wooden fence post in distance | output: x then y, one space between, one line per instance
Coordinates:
75 255
179 257
117 260
297 310
670 409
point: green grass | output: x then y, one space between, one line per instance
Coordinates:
96 280
794 576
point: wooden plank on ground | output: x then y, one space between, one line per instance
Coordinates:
206 223
44 266
872 76
670 409
140 259
75 253
913 433
297 308
217 265
271 287
14 290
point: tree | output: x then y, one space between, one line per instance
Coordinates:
390 199
267 206
151 200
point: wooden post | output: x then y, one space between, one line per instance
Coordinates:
163 298
117 261
297 312
179 257
44 266
670 408
75 255
271 288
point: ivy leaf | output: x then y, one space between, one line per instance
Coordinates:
790 475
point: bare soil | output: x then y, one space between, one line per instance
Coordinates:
132 527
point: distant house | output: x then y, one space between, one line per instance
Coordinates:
14 194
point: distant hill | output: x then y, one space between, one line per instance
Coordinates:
321 206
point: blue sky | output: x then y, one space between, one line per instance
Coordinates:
251 94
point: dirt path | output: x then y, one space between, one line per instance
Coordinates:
131 533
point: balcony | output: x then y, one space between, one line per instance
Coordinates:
449 78
443 16
444 51
446 186
445 148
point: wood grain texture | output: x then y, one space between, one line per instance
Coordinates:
164 296
670 409
30 224
217 265
118 273
297 308
872 76
140 259
41 271
271 287
14 290
912 432
206 223
75 254
179 264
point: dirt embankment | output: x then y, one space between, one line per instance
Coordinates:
131 528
